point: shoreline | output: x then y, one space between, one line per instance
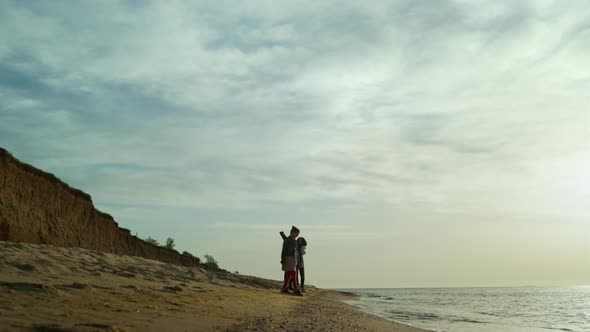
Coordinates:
47 288
357 297
326 310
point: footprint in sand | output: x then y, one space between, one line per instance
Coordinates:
24 267
171 289
125 274
24 286
75 285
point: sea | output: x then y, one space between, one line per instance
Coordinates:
530 309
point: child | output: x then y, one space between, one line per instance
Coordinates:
301 245
289 258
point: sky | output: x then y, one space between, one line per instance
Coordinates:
414 143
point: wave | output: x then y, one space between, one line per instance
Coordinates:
377 296
467 320
490 314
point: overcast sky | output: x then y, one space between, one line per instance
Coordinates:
415 143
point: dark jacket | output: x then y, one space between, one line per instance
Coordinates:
289 247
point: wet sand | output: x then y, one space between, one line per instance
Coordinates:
46 288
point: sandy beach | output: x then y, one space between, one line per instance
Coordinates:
47 288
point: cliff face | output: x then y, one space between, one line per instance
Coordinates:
37 207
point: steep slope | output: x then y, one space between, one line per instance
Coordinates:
37 207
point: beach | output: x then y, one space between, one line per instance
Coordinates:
47 288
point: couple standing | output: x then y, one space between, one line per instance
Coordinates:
292 261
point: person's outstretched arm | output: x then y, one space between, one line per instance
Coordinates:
283 235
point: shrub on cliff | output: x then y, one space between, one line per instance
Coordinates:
170 243
210 263
152 241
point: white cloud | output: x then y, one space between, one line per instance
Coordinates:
413 88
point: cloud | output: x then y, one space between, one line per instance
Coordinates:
207 103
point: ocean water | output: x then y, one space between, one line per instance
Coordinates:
530 309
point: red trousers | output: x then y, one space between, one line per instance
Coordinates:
290 276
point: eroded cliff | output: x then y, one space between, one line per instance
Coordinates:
37 207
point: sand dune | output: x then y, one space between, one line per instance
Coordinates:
47 288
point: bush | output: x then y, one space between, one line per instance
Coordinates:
152 241
170 243
210 263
